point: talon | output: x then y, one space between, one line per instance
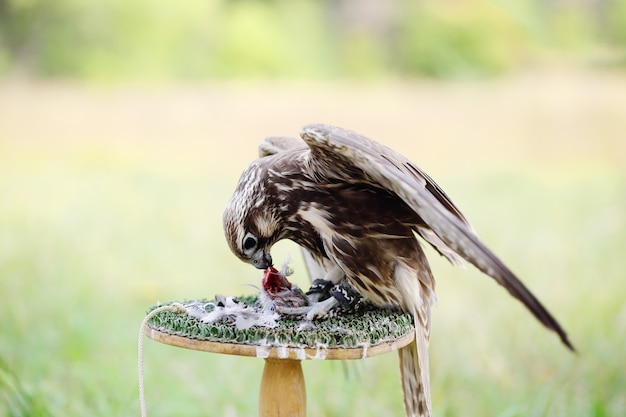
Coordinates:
321 309
314 311
294 311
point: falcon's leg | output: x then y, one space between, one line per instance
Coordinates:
320 290
321 309
326 294
332 296
314 311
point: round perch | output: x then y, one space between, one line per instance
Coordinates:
351 336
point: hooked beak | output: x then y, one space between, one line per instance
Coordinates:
262 259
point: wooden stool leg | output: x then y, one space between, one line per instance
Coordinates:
283 393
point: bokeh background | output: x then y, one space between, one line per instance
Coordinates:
124 126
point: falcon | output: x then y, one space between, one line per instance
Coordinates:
357 208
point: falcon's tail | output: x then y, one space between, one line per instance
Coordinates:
415 382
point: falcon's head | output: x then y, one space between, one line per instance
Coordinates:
251 225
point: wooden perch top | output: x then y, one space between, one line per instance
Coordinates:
281 352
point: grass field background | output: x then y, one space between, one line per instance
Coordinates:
111 201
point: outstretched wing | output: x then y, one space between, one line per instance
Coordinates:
339 151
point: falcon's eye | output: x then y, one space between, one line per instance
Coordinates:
249 242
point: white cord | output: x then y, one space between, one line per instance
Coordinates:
174 307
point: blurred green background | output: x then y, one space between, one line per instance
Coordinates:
124 127
199 40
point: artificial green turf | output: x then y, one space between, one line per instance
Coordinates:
369 327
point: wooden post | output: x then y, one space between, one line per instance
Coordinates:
283 392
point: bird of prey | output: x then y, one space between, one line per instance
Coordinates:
356 207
